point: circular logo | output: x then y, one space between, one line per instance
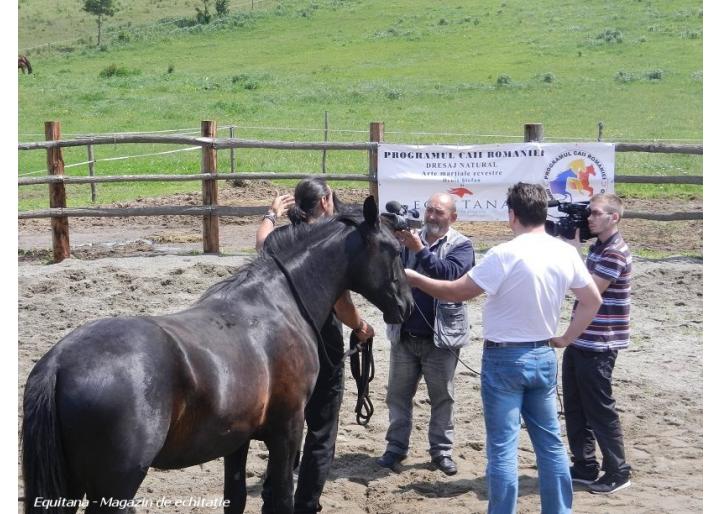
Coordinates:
575 176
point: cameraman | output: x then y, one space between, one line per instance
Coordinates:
525 280
416 349
588 362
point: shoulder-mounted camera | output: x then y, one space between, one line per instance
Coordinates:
576 216
399 217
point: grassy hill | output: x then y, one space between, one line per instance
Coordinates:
463 67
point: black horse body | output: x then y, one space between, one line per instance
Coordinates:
120 395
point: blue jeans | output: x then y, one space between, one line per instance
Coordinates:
409 361
515 382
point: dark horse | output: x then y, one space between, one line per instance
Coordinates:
24 64
120 395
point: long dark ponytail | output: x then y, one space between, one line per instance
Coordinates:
308 193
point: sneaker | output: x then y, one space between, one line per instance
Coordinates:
609 484
584 476
389 459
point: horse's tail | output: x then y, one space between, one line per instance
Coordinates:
43 465
29 66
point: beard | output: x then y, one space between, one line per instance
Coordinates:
433 229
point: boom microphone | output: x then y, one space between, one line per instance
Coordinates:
394 206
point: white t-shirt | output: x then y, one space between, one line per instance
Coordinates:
526 280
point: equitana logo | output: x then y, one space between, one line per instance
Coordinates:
578 178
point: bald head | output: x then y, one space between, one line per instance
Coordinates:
443 199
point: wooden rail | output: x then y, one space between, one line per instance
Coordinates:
270 175
210 144
221 210
227 143
278 175
659 148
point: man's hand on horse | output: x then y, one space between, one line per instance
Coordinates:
409 239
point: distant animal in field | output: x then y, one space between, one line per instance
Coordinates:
24 64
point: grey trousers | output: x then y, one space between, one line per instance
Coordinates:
411 359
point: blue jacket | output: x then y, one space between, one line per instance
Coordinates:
449 258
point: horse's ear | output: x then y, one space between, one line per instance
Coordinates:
370 211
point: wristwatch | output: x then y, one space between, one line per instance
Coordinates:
270 216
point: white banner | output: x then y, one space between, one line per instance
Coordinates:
479 176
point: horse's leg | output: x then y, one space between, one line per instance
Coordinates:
283 446
111 492
235 489
111 440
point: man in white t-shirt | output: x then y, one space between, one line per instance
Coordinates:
526 280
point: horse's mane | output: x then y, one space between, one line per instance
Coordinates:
282 242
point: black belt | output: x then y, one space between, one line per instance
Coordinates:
410 335
521 344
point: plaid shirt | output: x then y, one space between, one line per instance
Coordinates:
610 328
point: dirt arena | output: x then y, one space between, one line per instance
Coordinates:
148 268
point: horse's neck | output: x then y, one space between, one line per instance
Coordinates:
319 276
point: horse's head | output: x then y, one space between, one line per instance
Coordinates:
377 272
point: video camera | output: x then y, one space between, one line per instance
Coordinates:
399 217
577 217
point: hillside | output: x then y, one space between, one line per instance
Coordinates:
475 73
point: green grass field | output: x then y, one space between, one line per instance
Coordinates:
466 73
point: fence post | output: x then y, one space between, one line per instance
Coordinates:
601 126
325 138
211 225
91 172
56 166
534 132
232 150
377 135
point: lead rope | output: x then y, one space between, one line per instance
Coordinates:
362 366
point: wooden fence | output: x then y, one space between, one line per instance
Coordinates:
210 210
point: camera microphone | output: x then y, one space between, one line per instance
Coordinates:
553 203
400 217
394 207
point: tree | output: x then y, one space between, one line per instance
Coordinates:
222 7
203 15
101 9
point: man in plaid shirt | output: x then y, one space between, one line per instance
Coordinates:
588 363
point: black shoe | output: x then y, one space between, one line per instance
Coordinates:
584 476
608 484
389 459
445 464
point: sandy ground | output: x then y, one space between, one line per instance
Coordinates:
147 269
